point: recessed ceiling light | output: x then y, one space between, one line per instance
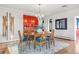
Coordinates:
64 6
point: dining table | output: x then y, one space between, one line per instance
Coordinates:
33 37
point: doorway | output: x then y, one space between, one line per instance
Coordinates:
77 29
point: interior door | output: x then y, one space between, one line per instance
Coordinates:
77 31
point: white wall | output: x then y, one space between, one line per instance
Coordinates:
18 19
70 23
18 23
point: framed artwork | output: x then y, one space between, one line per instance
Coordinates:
12 24
5 25
61 23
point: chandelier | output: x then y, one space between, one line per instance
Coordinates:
39 15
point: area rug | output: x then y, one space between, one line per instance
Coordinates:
39 50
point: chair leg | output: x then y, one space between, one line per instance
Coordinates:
40 47
34 45
29 44
53 42
46 45
49 44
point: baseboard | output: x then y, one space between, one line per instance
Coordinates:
64 38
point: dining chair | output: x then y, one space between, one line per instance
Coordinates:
31 38
19 33
40 39
51 38
22 40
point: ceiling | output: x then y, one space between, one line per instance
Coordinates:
45 9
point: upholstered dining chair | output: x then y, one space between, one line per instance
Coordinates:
31 38
19 33
40 39
22 39
51 38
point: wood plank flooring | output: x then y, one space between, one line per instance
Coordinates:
72 49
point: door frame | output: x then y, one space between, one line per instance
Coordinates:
75 26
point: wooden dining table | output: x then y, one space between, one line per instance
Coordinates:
42 36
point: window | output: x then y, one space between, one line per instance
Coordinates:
61 23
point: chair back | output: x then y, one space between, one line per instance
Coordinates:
44 34
52 35
29 32
19 33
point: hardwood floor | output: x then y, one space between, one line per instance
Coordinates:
72 49
3 49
